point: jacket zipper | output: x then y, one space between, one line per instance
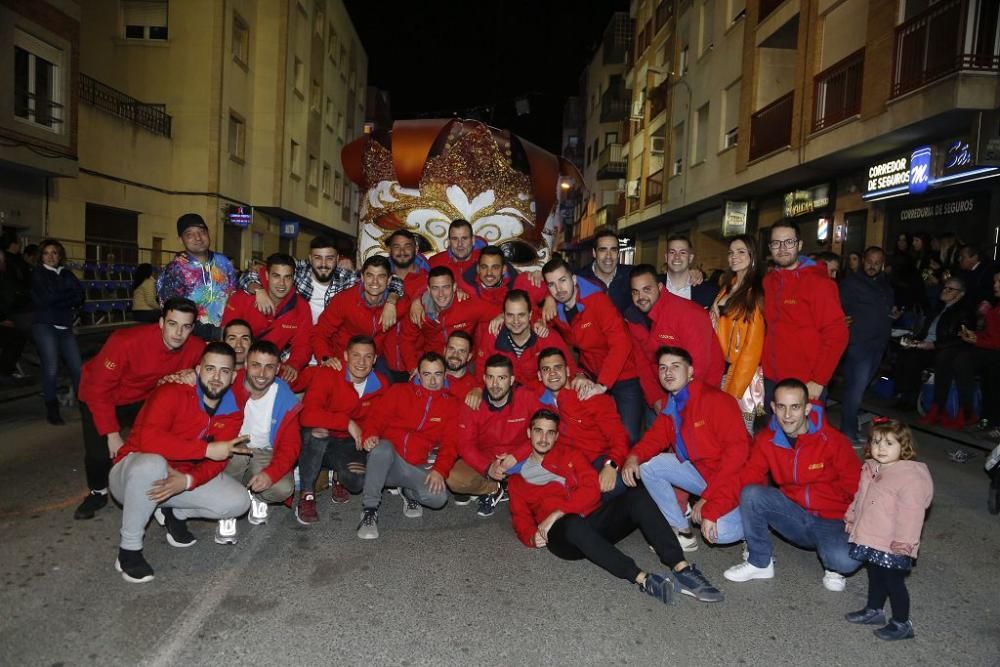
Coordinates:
423 420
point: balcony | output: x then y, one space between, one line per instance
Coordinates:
950 36
771 127
658 97
611 163
837 91
767 7
614 104
664 10
605 216
151 117
654 187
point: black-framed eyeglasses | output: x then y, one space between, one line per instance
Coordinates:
787 243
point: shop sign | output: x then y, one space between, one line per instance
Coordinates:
965 206
289 229
889 174
240 216
920 170
734 219
804 202
957 157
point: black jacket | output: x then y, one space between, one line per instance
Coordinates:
56 296
950 324
620 290
868 301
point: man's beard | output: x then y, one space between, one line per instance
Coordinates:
502 399
400 264
208 393
322 279
452 367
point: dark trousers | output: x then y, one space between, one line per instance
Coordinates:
951 364
55 344
631 406
337 454
987 363
885 583
594 537
860 362
97 460
12 342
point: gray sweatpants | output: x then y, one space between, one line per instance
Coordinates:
242 468
222 497
387 468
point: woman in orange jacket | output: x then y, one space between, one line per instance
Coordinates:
738 315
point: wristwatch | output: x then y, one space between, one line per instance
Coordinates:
611 464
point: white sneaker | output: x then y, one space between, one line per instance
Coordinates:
411 508
745 572
226 532
258 511
832 581
688 544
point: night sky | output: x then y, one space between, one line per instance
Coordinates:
474 59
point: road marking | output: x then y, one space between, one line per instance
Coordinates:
179 635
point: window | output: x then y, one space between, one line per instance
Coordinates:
319 21
684 61
594 149
38 90
327 184
237 137
314 97
678 149
313 172
144 19
241 40
338 188
293 158
257 245
331 45
706 24
340 126
610 138
731 115
299 77
328 114
343 55
700 144
737 10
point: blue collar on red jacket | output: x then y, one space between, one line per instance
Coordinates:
548 398
584 289
471 277
227 404
814 421
372 383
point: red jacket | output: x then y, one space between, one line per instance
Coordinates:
512 279
183 441
820 473
331 401
806 331
286 434
414 420
989 337
525 366
127 369
531 504
486 433
432 334
676 322
592 426
715 439
288 327
599 335
458 267
459 387
349 314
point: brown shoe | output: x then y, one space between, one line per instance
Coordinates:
306 511
340 493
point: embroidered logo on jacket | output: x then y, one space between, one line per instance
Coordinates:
816 466
110 365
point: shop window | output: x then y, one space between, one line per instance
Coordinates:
144 19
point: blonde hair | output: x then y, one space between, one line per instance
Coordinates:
899 430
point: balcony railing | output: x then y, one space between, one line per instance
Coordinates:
771 127
611 163
150 117
654 187
614 105
664 10
658 98
766 8
837 92
951 35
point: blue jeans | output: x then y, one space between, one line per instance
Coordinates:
52 345
859 364
631 406
765 507
769 395
662 473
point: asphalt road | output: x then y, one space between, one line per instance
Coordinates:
447 589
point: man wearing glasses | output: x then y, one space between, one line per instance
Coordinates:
806 330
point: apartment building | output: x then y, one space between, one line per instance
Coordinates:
861 119
235 109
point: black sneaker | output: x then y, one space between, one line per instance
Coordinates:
659 586
133 566
993 499
93 502
461 499
178 534
486 506
895 631
690 581
866 616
